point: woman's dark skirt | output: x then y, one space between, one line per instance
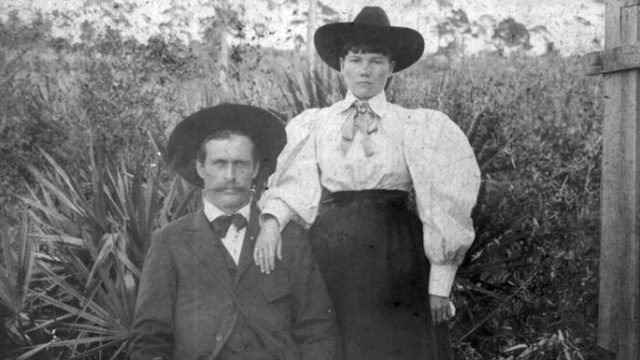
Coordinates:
369 247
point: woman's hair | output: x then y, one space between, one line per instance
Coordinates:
361 48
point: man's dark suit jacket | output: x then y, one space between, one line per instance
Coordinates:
188 303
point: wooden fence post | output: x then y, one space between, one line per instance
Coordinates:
619 292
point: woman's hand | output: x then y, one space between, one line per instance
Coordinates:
268 245
441 309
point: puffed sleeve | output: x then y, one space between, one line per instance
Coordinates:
294 189
446 180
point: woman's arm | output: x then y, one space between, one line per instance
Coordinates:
446 179
293 191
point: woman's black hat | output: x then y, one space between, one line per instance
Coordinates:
370 27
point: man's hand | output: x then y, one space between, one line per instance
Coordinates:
268 244
441 309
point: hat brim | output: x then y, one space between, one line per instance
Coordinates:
261 126
406 44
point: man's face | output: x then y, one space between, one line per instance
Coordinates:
366 74
228 172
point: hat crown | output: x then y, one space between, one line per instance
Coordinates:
370 26
372 15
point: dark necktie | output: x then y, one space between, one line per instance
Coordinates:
221 224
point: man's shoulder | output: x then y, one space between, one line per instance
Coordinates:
176 226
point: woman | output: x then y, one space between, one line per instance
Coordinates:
347 171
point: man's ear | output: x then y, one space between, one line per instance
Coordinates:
341 63
199 169
392 66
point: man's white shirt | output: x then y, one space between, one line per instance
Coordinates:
234 238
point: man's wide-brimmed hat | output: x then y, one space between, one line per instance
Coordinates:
261 126
370 27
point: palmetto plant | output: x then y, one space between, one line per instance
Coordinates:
16 272
303 89
96 222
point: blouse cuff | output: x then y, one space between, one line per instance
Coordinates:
441 279
278 209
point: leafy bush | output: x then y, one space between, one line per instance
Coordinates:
59 97
94 223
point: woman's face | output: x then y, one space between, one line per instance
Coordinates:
366 73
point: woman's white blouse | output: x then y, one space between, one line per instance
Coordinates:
417 148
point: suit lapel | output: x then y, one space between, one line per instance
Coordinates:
208 250
246 255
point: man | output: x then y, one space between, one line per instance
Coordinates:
201 296
346 173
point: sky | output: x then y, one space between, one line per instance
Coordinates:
572 25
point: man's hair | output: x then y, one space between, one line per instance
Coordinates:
360 48
201 155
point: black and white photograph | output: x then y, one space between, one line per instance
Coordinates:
320 180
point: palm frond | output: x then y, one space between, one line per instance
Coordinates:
97 234
16 269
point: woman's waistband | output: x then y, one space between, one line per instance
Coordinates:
373 196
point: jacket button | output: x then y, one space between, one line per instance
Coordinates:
218 337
